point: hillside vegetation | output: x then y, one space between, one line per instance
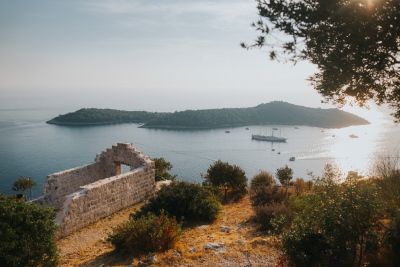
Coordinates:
269 113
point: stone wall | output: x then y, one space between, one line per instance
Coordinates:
86 194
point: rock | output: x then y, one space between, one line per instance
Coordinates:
152 259
218 248
176 254
224 228
240 242
203 227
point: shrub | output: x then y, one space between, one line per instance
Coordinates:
227 177
388 173
27 234
300 186
149 233
393 239
339 225
273 217
183 200
262 178
264 195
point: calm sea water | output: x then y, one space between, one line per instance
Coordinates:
31 148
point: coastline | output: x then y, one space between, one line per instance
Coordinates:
171 127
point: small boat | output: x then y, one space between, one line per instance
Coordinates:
292 158
227 131
275 129
333 135
279 153
296 127
273 149
247 128
353 136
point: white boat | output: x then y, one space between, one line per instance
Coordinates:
270 138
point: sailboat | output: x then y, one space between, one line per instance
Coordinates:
270 138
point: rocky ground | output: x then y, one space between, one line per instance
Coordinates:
232 240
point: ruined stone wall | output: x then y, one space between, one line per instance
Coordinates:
58 185
86 194
103 198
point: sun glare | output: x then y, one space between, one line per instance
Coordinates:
355 147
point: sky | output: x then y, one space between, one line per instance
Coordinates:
144 51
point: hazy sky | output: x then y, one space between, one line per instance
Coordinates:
186 49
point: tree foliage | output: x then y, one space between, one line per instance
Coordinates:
227 177
22 184
27 234
276 112
284 175
355 45
184 200
161 168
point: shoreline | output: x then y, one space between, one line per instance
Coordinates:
171 127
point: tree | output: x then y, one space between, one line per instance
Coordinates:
227 177
23 184
285 176
161 168
355 45
27 234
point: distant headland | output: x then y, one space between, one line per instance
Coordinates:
275 112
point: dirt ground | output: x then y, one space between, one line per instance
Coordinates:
240 244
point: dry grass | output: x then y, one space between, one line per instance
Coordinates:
244 245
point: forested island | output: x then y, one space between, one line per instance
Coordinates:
275 112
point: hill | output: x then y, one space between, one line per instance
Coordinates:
270 113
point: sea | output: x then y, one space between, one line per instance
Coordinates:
30 147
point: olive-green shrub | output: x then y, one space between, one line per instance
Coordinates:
184 200
149 233
339 225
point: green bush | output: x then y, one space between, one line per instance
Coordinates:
393 239
338 226
27 234
183 200
273 217
264 195
262 178
149 233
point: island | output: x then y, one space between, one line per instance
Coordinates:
276 112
